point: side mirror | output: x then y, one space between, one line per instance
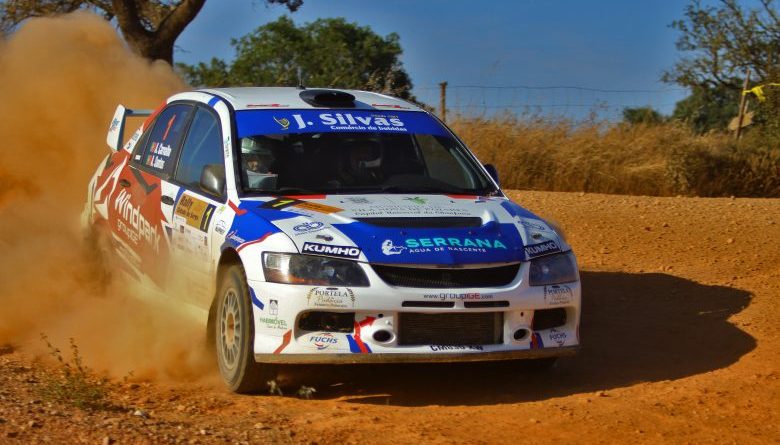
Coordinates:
491 169
212 179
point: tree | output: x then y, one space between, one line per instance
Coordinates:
327 52
150 27
722 42
642 115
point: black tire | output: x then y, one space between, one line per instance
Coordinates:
234 332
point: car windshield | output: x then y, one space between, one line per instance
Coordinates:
353 151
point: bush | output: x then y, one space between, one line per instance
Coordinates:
661 160
73 383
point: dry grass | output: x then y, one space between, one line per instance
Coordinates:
660 160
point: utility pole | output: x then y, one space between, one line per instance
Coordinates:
443 102
742 105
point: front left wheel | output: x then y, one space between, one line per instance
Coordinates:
235 333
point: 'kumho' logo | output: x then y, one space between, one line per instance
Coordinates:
324 249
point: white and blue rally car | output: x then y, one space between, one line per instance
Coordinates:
329 226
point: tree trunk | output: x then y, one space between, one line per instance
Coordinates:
154 44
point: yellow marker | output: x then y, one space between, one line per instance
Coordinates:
758 91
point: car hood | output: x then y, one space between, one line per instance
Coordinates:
408 229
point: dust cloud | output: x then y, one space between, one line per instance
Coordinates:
61 79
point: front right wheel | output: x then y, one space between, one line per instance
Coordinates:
235 333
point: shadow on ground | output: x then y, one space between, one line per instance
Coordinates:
635 328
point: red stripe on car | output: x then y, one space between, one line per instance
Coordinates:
249 243
285 341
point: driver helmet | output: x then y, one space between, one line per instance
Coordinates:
256 154
365 157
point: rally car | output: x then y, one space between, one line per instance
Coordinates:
329 226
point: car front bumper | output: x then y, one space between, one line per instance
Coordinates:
381 307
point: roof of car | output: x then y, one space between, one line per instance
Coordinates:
253 98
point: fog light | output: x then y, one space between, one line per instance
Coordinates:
520 334
382 336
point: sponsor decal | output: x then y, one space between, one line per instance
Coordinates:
196 213
454 296
325 249
535 250
433 210
531 224
426 245
251 122
438 348
235 238
416 200
283 122
273 322
226 144
388 248
133 224
557 337
331 297
283 203
324 237
114 125
323 340
308 227
348 122
358 200
558 294
220 227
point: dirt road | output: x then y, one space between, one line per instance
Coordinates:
680 344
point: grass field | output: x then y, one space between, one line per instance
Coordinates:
659 160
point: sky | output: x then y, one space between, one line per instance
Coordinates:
476 46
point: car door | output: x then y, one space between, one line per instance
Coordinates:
192 273
136 214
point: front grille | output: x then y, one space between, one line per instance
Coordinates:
481 328
446 278
446 222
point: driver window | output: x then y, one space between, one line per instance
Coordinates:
202 147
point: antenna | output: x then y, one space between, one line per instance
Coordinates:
300 79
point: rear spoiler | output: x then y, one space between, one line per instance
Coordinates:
117 129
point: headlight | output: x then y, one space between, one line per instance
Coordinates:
313 270
553 269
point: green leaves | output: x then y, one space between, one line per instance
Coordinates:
327 53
